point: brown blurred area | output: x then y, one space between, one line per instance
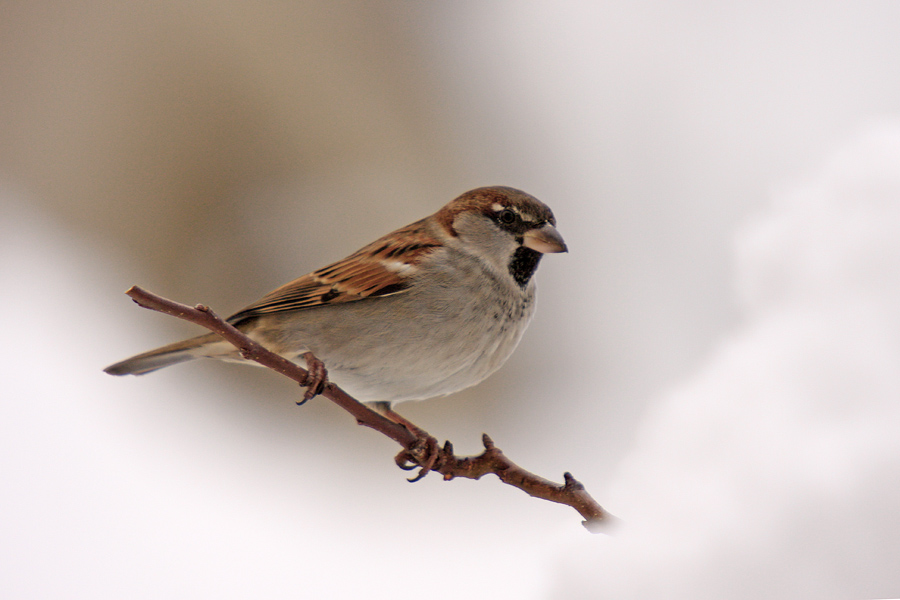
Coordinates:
221 149
223 146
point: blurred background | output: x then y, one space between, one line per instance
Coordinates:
726 177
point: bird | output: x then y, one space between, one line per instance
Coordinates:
427 310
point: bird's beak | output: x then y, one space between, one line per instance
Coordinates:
544 239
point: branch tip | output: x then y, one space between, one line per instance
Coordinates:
571 483
601 524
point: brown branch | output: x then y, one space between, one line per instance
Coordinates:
419 448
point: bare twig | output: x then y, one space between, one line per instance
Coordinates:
419 448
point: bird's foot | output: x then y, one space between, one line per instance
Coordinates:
317 377
422 453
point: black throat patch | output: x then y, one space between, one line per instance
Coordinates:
523 264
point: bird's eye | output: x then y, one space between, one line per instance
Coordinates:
507 217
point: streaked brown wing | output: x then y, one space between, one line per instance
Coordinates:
382 268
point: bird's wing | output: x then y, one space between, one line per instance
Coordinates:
383 268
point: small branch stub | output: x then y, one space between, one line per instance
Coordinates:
420 450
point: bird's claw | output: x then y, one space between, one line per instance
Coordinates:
423 453
316 379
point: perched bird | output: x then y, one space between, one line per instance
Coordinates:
427 310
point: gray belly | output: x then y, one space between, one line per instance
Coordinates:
409 346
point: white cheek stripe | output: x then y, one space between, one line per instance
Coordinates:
497 207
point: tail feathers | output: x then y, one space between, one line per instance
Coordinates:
162 357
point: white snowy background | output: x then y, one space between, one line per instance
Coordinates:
717 358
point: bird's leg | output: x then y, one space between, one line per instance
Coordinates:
317 378
423 453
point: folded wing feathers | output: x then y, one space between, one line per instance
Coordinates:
382 268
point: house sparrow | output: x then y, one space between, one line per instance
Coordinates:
425 311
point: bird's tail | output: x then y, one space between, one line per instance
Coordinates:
163 357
